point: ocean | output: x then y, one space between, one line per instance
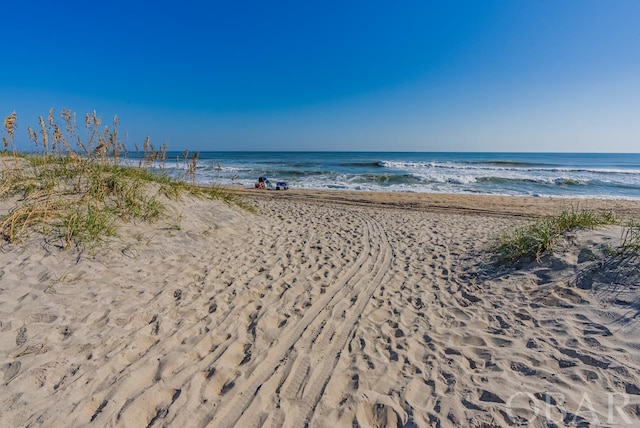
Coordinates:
574 175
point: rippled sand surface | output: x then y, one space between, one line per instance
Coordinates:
325 309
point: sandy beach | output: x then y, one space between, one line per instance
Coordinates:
336 309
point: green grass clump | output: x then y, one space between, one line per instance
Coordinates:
87 226
77 187
532 241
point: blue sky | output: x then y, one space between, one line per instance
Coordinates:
297 75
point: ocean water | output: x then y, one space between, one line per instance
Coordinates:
576 175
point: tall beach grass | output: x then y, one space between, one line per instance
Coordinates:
78 182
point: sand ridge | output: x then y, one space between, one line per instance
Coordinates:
311 313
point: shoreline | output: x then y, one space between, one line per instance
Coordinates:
542 174
483 205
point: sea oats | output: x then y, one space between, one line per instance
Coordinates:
11 124
33 136
57 136
45 134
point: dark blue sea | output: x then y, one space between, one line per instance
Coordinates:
576 175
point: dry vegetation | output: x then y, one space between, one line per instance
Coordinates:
79 181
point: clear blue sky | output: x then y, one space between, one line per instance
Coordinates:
298 75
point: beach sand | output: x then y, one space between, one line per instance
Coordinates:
334 309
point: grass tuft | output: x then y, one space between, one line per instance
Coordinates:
630 242
532 241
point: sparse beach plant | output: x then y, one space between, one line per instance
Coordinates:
532 241
575 217
630 240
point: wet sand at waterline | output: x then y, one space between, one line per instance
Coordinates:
324 309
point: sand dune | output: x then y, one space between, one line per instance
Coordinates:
318 312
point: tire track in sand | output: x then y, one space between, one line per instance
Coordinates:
325 328
339 330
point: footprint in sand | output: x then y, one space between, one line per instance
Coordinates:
21 337
11 370
40 317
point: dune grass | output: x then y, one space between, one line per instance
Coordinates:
78 185
530 242
630 242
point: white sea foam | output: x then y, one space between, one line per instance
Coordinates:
547 175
